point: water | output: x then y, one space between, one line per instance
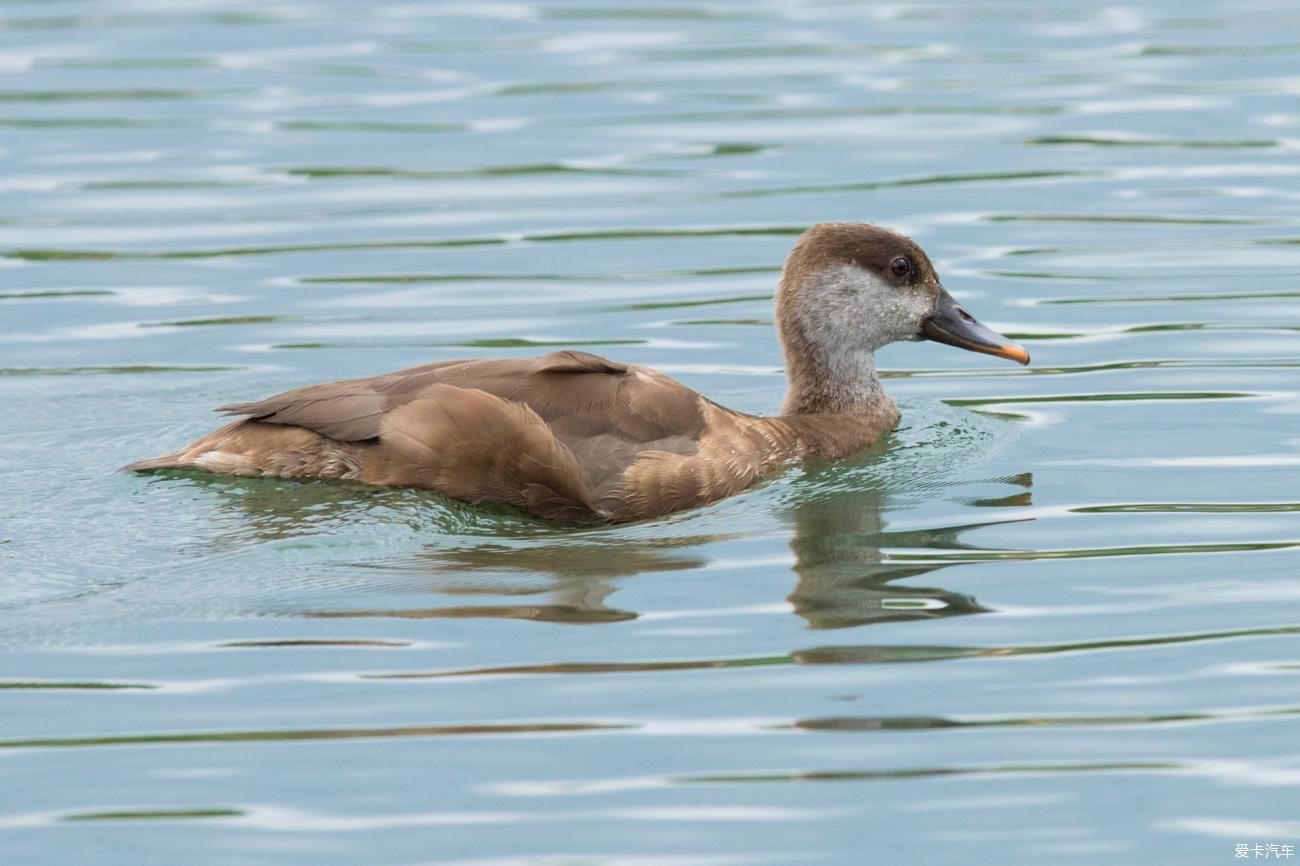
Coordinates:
1052 619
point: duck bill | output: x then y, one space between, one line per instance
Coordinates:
950 324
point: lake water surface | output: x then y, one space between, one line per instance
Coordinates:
1053 619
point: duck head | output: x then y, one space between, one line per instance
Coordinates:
850 288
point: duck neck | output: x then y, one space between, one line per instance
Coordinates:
823 382
828 342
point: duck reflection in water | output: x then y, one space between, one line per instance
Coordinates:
839 537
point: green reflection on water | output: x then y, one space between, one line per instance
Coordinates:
154 814
271 736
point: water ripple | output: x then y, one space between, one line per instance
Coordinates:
1083 568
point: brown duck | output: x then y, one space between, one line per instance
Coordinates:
575 437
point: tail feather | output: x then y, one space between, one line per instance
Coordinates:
162 461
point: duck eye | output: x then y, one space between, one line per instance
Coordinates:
900 266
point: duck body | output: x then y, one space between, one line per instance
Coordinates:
569 436
578 438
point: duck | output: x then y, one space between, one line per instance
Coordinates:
574 437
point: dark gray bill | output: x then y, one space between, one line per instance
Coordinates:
950 324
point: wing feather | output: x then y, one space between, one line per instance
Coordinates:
606 412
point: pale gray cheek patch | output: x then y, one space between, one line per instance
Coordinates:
846 308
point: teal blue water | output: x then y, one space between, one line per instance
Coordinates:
1053 619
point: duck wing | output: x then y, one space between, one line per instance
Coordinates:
605 412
